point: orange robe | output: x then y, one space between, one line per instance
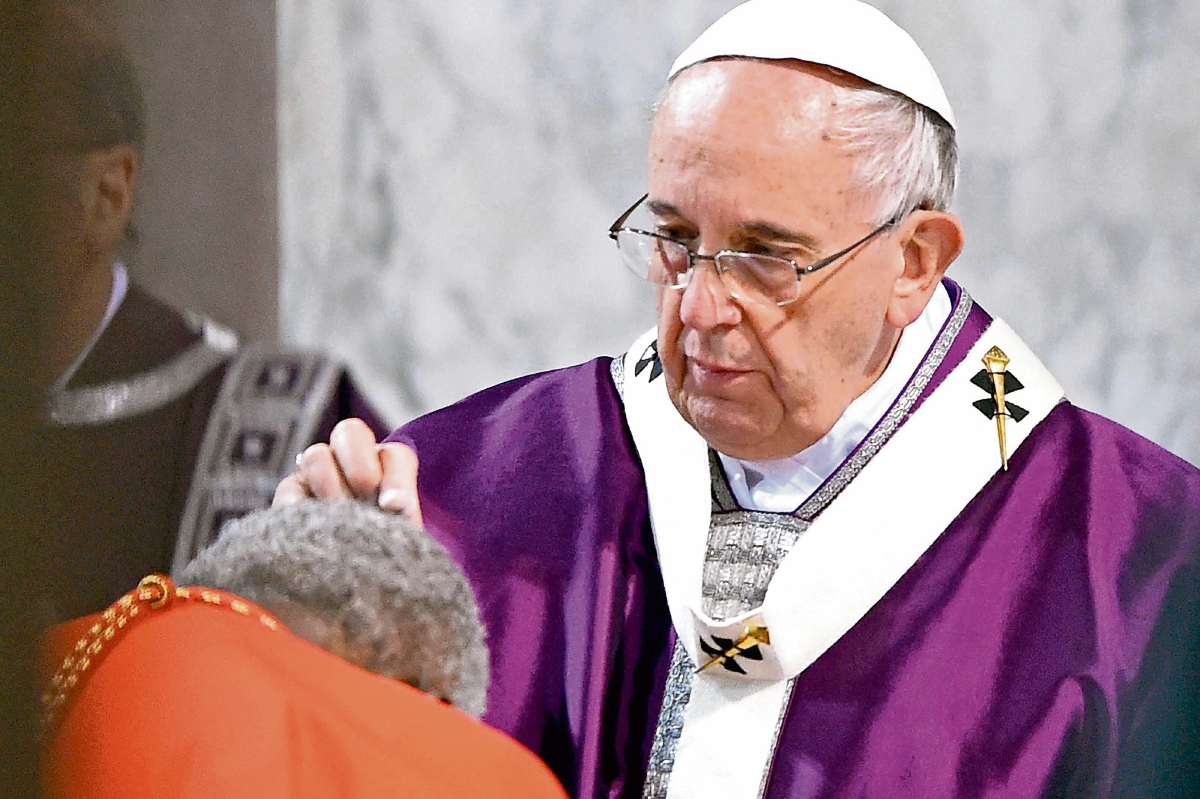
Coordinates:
193 699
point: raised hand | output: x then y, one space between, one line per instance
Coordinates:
353 466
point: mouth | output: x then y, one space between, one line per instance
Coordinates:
709 375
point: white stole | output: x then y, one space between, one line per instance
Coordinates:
854 552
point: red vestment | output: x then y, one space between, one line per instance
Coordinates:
193 699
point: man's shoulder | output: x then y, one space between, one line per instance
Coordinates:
587 376
582 393
542 438
144 333
1123 476
1101 439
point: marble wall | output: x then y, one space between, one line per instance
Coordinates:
448 170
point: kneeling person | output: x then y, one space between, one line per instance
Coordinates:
218 690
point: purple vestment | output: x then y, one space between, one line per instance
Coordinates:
1045 645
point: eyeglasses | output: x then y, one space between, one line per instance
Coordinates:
667 262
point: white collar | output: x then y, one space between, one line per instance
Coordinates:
783 485
120 285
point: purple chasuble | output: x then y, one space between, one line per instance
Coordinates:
1047 644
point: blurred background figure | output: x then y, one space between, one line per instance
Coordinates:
170 428
216 690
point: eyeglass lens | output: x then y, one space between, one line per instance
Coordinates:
746 276
651 258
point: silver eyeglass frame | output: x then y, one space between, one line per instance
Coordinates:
618 226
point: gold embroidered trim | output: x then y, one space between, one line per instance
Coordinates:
153 593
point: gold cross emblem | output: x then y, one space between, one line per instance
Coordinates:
999 383
725 651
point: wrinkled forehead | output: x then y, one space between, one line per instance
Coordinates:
754 97
745 139
757 80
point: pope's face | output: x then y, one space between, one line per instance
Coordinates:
741 159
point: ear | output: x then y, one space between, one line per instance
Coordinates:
109 176
929 242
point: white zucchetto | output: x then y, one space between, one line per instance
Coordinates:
845 34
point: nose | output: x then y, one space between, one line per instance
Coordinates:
706 303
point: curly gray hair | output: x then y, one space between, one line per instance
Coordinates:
364 584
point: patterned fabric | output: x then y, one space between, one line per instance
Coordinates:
270 406
744 549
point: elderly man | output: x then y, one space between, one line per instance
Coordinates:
830 529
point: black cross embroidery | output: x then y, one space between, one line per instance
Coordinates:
649 358
987 406
726 651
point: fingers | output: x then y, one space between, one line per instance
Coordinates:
317 471
352 466
398 488
354 452
290 489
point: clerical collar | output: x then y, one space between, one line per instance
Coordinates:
120 285
783 485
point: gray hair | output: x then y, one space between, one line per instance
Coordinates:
363 583
907 154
